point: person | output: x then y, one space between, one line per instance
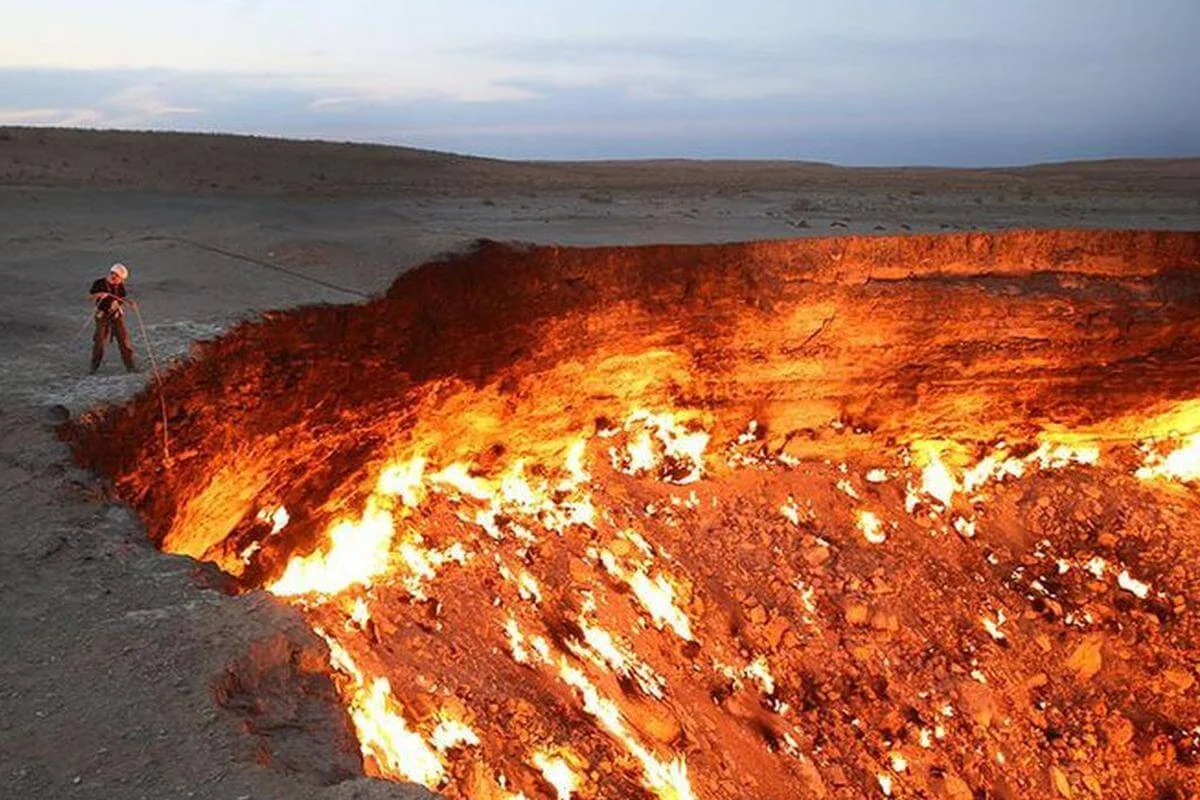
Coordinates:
110 297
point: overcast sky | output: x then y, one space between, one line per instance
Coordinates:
951 82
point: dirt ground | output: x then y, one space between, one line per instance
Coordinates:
110 648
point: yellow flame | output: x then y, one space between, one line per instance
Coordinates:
993 467
558 773
657 596
405 480
1056 455
936 480
458 477
668 781
383 733
1181 464
1133 585
451 733
357 553
359 612
652 433
759 671
604 650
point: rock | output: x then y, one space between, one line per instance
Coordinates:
579 569
776 631
758 615
856 612
977 702
884 621
290 708
1118 731
1061 784
1085 661
951 787
1179 679
816 556
373 789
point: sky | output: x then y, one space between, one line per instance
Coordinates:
856 82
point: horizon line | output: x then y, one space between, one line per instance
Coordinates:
549 160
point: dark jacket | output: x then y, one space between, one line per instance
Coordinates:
108 305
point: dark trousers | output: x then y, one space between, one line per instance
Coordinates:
110 326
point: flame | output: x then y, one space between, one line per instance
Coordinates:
359 613
451 733
759 671
278 518
406 480
657 596
558 773
358 553
993 467
383 733
515 509
936 480
603 649
1056 455
682 450
1181 464
668 781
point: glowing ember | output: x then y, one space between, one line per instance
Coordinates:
1132 585
871 527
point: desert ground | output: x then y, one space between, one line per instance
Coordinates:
110 649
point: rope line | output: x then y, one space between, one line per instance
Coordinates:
258 262
162 402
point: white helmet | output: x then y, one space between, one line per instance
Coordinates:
120 270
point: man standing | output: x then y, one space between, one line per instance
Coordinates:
109 296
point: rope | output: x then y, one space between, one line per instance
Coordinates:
86 322
258 262
162 402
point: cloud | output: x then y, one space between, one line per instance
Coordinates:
59 117
841 104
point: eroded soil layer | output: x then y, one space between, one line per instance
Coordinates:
843 517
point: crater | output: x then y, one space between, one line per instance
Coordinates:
828 517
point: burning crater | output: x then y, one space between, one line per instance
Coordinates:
907 517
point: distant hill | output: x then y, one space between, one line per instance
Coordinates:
245 165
